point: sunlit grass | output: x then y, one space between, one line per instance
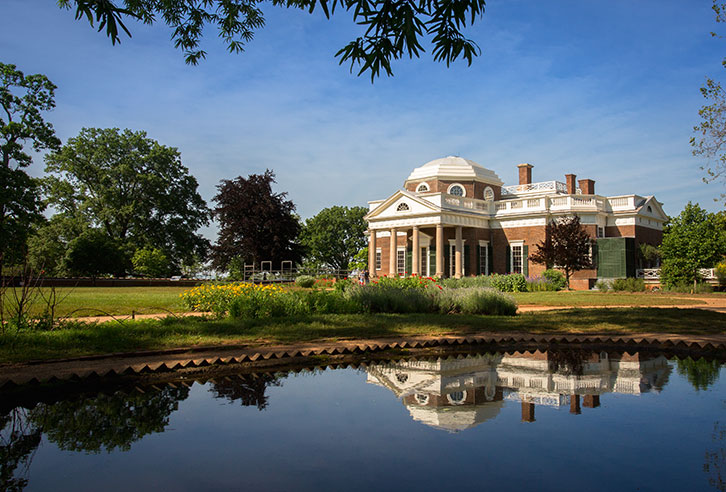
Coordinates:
113 337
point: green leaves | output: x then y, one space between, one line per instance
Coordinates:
23 99
393 28
335 235
133 188
695 239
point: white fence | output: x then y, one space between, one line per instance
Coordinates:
654 273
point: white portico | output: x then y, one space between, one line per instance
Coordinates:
454 217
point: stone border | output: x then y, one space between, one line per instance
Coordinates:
143 363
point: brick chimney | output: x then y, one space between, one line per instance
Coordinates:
570 179
587 186
525 173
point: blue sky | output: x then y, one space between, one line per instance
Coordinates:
607 90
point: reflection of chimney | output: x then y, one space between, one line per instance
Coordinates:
571 187
525 173
575 404
591 401
527 412
587 186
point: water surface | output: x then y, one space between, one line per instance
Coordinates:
562 420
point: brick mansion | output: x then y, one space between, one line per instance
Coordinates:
455 218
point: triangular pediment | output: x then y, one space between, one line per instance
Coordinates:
401 204
652 208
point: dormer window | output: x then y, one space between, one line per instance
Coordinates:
489 194
456 189
402 207
422 188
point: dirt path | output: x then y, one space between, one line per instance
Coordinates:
325 351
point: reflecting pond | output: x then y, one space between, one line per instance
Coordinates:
547 420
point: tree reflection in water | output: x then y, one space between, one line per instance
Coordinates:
107 422
19 438
700 373
249 389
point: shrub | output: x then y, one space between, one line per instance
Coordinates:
515 282
218 297
374 298
629 284
463 282
475 300
324 282
305 281
687 288
540 284
556 277
602 285
412 282
721 272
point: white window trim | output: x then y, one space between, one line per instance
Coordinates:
463 190
418 186
403 207
401 271
484 246
488 188
512 245
378 260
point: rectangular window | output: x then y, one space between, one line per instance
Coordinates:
600 231
424 262
401 261
517 259
378 259
483 260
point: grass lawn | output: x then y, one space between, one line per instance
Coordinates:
99 301
170 332
595 298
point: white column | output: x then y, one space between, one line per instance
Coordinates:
415 257
371 253
393 253
439 250
458 265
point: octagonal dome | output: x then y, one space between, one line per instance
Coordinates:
456 168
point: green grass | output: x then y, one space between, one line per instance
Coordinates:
113 337
594 298
99 301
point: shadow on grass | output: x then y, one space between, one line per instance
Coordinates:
184 332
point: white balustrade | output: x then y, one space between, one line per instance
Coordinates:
654 273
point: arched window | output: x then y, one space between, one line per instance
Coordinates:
402 207
422 187
402 378
457 397
422 399
489 194
456 189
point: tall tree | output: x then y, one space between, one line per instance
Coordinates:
691 241
23 99
710 143
335 235
392 29
133 188
255 224
567 246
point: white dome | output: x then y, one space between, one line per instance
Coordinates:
456 168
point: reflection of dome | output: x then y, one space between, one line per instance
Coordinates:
455 418
455 168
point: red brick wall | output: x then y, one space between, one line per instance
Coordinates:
474 189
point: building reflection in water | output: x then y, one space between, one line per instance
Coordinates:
459 393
